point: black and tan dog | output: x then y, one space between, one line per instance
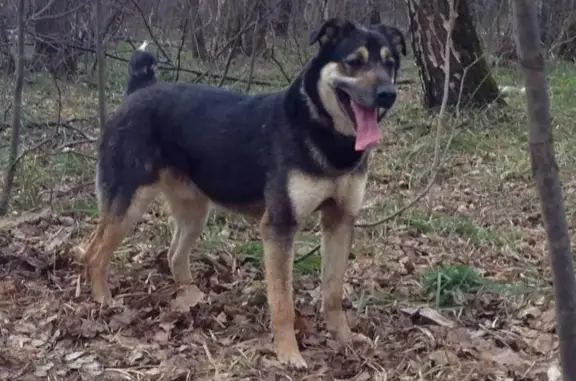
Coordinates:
278 157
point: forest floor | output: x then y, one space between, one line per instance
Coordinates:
456 288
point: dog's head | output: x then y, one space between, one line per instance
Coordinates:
357 71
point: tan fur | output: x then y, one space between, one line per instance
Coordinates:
339 199
189 208
363 52
337 228
337 221
384 53
307 193
108 235
328 75
278 264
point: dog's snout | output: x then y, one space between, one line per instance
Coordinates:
385 95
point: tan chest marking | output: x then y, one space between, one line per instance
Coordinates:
307 192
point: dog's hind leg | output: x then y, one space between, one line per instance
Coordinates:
112 227
190 212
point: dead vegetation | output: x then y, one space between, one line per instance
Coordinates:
457 287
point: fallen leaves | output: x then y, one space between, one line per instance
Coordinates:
427 315
47 319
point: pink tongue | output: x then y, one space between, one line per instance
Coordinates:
367 131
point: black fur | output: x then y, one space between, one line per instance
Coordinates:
236 148
141 71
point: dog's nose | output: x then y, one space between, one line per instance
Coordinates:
385 95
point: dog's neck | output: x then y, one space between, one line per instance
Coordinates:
332 151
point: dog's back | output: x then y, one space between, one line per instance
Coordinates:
141 70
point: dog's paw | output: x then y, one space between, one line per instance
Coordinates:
292 359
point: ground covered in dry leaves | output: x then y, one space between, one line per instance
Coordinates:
456 288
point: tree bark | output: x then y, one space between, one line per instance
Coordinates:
101 64
254 40
7 59
16 115
471 83
281 26
374 17
545 172
196 30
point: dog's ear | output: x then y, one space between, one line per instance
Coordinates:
332 30
395 35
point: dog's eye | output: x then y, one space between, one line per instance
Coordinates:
355 63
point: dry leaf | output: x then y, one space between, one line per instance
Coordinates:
73 356
429 316
540 342
42 370
506 357
90 328
122 319
58 240
554 373
443 357
187 298
9 223
162 336
364 376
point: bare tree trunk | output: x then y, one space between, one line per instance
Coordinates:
374 17
101 65
282 21
471 82
545 171
196 30
7 59
53 38
544 22
254 41
17 101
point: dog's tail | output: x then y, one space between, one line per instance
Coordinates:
141 70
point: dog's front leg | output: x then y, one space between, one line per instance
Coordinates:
337 232
278 242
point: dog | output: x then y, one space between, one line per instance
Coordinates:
277 157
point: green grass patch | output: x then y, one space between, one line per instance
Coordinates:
449 286
84 206
448 226
454 285
253 251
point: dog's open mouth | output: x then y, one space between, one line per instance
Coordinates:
365 120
